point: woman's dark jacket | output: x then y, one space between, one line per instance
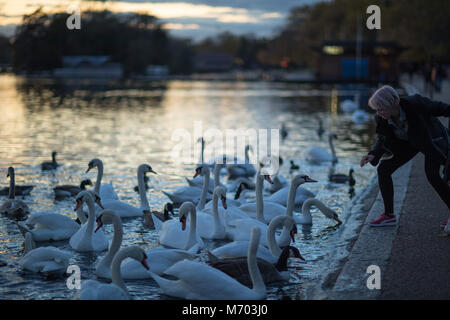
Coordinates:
425 132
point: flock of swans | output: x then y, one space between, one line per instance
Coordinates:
254 256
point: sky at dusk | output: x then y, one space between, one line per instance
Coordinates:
191 18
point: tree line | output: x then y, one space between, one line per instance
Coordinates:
139 39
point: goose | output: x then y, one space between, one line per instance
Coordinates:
200 281
125 210
94 290
49 261
240 248
210 226
50 165
306 218
20 190
48 226
192 194
174 234
163 216
130 269
348 106
105 190
271 273
316 155
241 168
341 178
13 208
67 190
85 239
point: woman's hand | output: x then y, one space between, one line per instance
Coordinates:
366 159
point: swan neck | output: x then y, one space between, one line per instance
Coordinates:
99 177
116 242
259 198
12 186
91 216
217 169
141 188
201 204
281 264
192 228
291 199
330 140
80 215
255 274
115 270
215 208
319 204
271 241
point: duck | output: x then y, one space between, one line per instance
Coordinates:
105 190
50 165
162 216
199 281
67 190
271 273
192 194
49 261
174 234
316 155
342 178
13 208
95 290
240 248
130 269
125 210
85 239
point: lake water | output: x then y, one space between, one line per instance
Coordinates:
126 124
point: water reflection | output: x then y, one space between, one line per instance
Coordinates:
130 123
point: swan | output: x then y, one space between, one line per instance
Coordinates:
47 260
306 218
20 190
192 194
14 208
200 281
282 195
131 269
67 190
174 234
271 273
94 290
341 178
163 216
240 248
210 226
316 155
85 239
126 210
241 168
50 165
278 182
47 226
106 190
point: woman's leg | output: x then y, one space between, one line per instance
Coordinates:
432 171
385 169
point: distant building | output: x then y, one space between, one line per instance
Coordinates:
214 62
89 67
377 62
157 71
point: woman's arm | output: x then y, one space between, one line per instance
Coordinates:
433 108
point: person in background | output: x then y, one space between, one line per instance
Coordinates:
406 126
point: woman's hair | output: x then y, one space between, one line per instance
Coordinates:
384 98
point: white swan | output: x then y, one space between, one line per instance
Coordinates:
50 261
106 190
210 226
125 210
94 290
47 226
348 106
85 239
306 218
174 234
192 194
12 207
131 269
200 281
240 248
316 155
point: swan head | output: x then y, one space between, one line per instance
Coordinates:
93 163
185 208
332 135
294 253
54 153
242 187
202 170
138 254
10 172
83 195
86 182
146 168
302 178
105 217
168 207
220 191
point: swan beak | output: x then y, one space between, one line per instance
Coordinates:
293 232
79 202
99 224
301 257
89 168
144 263
197 173
267 177
224 202
336 218
99 203
183 223
152 171
308 179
